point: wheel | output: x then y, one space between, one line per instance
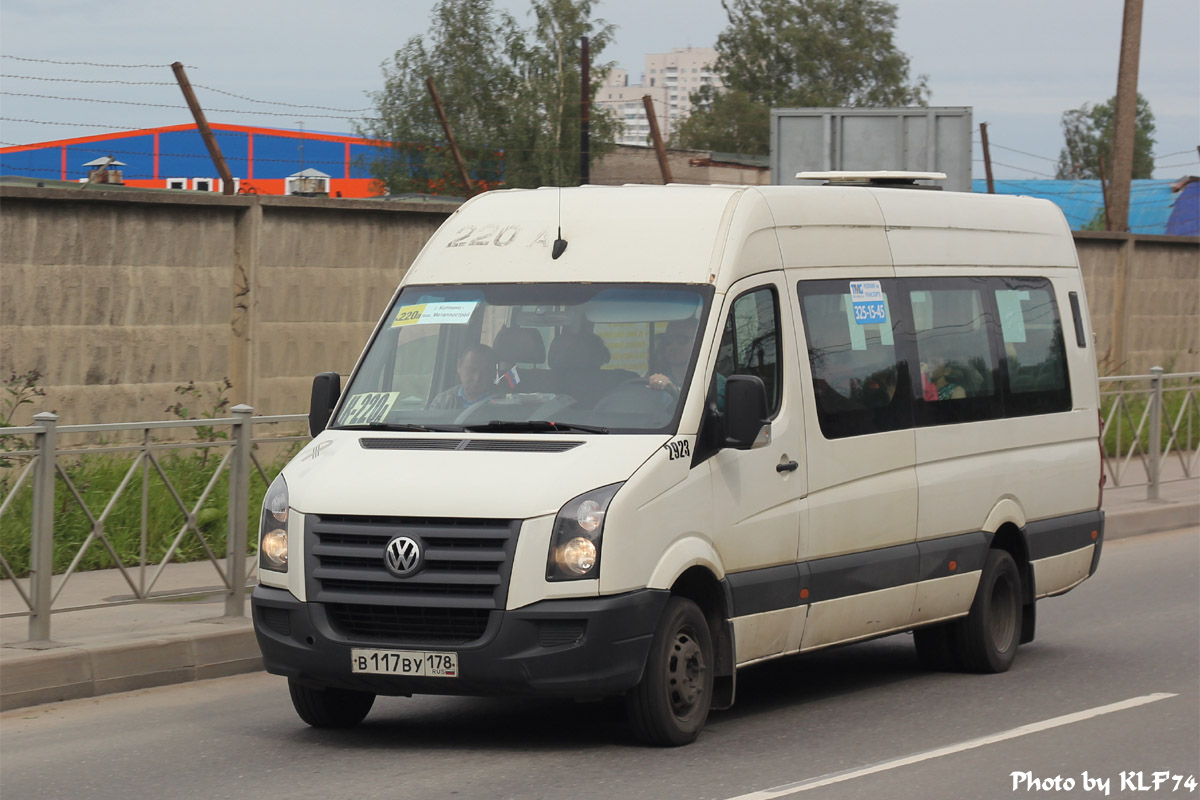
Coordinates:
670 704
987 639
935 647
330 708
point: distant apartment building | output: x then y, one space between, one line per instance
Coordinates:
669 79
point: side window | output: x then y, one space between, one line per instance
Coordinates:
860 381
750 344
1034 352
951 322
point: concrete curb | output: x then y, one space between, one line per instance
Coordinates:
215 648
69 672
1153 518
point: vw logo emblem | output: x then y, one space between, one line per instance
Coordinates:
402 556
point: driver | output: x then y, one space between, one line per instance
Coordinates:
673 350
476 375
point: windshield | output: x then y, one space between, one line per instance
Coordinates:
526 357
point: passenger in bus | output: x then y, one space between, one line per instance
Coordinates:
476 375
937 382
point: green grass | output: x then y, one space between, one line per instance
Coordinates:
1132 406
97 477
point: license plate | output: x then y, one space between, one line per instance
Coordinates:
413 663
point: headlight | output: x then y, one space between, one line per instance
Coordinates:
575 543
272 529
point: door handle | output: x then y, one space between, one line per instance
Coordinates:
787 466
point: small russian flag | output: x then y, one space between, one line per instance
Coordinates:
510 378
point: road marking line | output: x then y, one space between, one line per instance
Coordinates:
971 744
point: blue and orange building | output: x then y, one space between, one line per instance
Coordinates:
261 160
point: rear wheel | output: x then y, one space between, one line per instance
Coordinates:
987 639
670 704
330 708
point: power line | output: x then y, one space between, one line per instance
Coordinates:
90 63
1022 152
1170 155
172 106
173 83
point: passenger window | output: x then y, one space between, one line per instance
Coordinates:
750 345
1034 352
860 382
957 363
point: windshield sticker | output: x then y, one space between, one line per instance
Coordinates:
435 314
363 409
867 299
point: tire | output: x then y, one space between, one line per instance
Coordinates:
670 704
330 708
987 639
935 648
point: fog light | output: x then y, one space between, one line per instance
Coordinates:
274 549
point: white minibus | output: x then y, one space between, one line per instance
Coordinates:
627 441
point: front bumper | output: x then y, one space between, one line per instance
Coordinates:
585 648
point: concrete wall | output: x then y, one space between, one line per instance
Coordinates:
118 297
1144 297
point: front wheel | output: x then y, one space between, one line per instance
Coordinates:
986 641
670 704
330 708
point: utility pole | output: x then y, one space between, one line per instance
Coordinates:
585 105
1104 192
441 115
1125 115
987 158
663 166
210 141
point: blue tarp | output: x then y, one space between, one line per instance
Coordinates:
1150 201
1185 217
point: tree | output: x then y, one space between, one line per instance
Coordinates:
466 58
511 96
800 53
1088 131
543 140
728 121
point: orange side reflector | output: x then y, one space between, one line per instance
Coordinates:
953 566
804 594
1095 535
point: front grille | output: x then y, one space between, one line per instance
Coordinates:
395 624
462 579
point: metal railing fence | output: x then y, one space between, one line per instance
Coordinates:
44 465
1150 430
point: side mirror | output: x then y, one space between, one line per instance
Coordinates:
326 389
745 411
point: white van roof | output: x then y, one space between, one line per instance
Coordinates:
718 234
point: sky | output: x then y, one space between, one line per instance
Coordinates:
1019 64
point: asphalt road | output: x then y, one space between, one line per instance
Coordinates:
1111 686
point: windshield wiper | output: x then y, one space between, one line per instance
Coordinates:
399 426
533 426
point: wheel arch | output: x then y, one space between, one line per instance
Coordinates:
1010 538
701 586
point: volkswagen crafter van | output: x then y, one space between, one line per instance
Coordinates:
625 441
